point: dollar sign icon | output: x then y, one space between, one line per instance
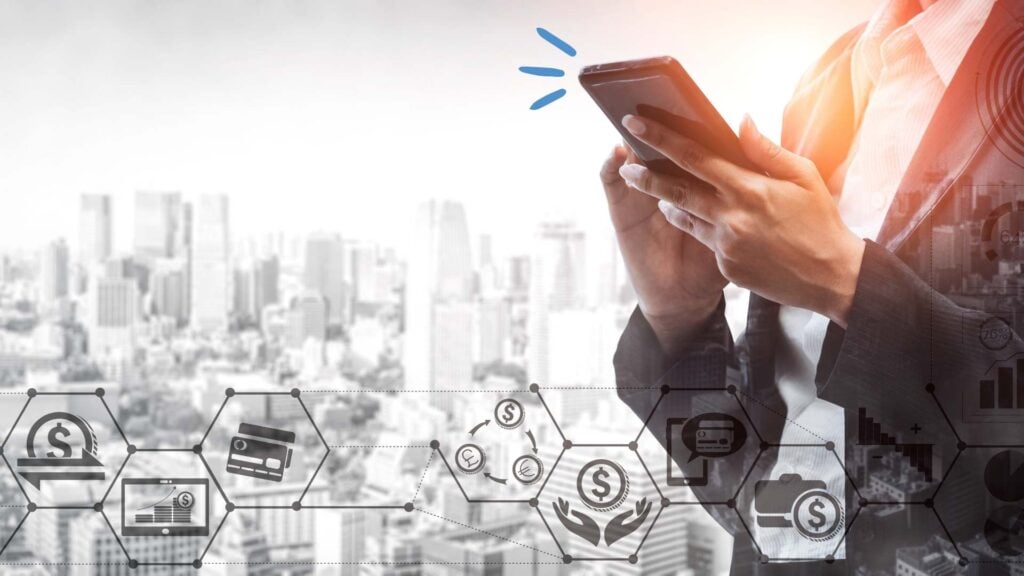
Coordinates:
509 413
600 479
64 447
602 484
818 518
818 515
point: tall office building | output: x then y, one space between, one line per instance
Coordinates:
210 296
157 223
95 235
324 272
168 289
557 271
307 319
364 268
112 315
53 272
256 286
440 271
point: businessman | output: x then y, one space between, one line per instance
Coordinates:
841 237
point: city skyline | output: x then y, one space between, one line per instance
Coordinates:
282 110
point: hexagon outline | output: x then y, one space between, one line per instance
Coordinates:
535 389
32 393
632 558
295 393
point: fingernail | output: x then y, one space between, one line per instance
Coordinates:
635 125
664 206
632 172
750 123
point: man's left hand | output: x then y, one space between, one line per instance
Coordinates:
777 233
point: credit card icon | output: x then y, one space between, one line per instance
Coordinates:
260 452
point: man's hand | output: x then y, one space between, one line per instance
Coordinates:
780 235
675 277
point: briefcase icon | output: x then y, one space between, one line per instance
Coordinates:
774 499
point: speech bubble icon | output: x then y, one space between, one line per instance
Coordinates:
713 435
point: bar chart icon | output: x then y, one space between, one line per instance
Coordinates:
998 399
870 433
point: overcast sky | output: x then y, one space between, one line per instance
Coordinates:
342 115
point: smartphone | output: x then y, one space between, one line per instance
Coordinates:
659 89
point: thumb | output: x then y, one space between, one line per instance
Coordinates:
771 157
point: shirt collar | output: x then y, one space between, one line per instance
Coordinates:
947 29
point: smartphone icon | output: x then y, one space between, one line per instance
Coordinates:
680 470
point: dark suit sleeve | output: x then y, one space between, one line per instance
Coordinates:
697 381
641 369
905 340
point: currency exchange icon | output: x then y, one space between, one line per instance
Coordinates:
509 414
469 459
69 452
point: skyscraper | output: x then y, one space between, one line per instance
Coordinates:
557 270
168 285
211 272
307 319
95 236
440 271
53 272
112 315
324 272
157 223
256 286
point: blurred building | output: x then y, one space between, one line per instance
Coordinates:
557 275
324 272
438 283
157 223
95 224
211 276
53 273
112 315
307 319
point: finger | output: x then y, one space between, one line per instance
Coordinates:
700 229
610 168
687 154
691 195
771 157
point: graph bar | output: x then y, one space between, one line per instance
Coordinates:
1005 375
1020 383
987 394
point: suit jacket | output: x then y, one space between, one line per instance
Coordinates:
931 342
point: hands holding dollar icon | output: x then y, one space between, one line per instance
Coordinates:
602 485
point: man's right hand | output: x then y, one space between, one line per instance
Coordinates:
676 278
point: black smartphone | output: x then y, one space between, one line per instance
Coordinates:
659 89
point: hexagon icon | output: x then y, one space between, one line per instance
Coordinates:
65 448
264 442
502 445
794 503
699 445
981 503
899 456
165 508
379 447
599 503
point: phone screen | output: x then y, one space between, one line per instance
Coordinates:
659 89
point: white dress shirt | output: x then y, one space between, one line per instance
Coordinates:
900 71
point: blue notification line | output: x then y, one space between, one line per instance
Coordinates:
542 71
556 42
547 99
